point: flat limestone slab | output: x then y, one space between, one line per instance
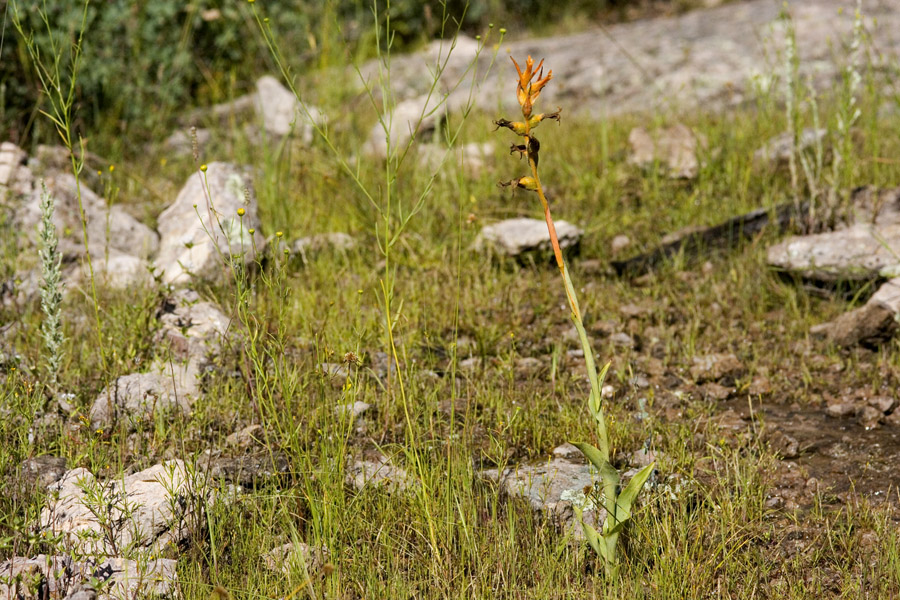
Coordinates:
859 252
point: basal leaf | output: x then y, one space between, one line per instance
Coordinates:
592 454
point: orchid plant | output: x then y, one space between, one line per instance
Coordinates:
610 496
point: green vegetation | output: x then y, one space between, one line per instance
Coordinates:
415 291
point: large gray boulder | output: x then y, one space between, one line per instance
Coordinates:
201 230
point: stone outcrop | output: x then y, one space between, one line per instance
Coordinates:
202 229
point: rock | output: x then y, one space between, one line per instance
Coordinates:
723 368
145 511
619 243
108 227
641 458
527 367
113 269
568 451
334 371
622 340
674 147
714 391
251 435
783 445
893 419
638 382
20 289
354 410
713 59
777 151
382 365
730 420
380 472
16 178
60 577
872 324
859 252
635 311
412 77
181 142
413 118
193 332
517 237
869 417
246 470
140 397
551 488
840 409
42 471
280 112
200 230
471 158
760 386
603 328
311 246
284 558
192 329
455 407
883 403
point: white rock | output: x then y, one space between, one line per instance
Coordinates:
202 227
380 471
409 119
778 149
108 228
620 242
514 237
140 397
552 488
113 269
674 147
57 577
354 410
145 511
191 328
280 112
858 252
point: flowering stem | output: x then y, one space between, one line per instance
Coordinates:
594 401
